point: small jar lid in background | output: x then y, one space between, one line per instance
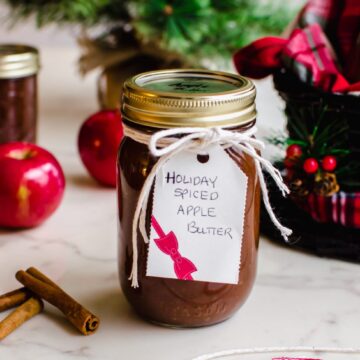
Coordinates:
18 61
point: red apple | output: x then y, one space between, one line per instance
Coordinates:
98 142
31 185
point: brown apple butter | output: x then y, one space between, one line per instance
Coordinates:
19 65
173 302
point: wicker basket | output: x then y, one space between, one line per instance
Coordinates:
329 239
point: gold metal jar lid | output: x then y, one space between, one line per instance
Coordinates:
18 61
189 98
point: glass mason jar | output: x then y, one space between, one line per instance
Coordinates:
19 65
173 99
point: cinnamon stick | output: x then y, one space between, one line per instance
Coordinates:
86 322
24 312
14 298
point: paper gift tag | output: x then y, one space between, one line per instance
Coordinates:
198 218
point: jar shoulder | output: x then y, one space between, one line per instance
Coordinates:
134 162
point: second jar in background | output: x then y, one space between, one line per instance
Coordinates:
19 65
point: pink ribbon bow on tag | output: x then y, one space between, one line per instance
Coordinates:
287 358
169 245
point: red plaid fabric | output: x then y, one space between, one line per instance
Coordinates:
348 34
323 12
309 55
340 20
260 58
308 52
341 208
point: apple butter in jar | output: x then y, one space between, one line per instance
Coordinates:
19 65
188 196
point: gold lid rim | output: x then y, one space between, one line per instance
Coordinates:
18 60
162 109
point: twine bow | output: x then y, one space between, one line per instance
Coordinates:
165 144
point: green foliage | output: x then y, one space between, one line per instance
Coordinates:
324 137
320 135
207 28
87 12
195 29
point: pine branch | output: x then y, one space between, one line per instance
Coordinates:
194 29
326 133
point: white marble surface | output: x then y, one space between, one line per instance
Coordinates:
297 300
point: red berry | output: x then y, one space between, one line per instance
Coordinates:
294 151
289 163
329 163
311 166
